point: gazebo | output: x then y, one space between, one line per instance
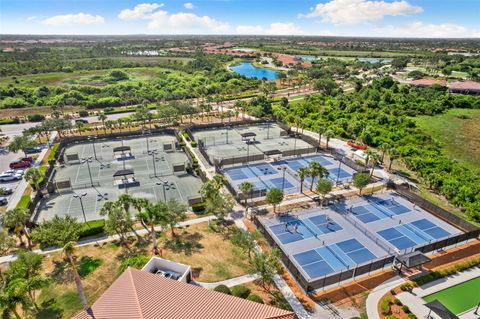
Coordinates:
413 259
272 155
122 153
125 178
442 311
248 137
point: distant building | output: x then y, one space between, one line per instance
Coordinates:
428 83
465 87
143 295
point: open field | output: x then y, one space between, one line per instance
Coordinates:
197 246
91 77
458 131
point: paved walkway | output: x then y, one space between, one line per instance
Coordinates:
229 282
416 304
141 232
376 294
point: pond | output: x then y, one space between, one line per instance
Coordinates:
307 57
250 71
373 60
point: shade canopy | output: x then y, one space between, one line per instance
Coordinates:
272 152
413 259
121 149
248 134
437 307
123 172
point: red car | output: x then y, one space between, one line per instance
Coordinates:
19 164
27 159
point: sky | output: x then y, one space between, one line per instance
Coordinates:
372 18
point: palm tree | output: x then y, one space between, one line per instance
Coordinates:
140 204
374 160
302 172
152 216
368 153
393 154
321 130
68 253
126 201
328 135
13 295
16 219
33 176
246 189
103 117
316 170
384 147
175 214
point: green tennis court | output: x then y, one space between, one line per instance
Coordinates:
458 298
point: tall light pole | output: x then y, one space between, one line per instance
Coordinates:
93 138
81 204
268 130
226 130
88 160
248 151
152 153
339 159
283 168
147 134
163 184
294 144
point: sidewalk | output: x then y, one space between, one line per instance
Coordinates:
229 282
376 294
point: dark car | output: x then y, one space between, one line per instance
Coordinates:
33 150
3 201
6 191
27 159
81 121
19 164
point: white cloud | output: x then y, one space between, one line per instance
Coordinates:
186 23
188 5
276 28
73 19
360 11
140 11
420 29
32 18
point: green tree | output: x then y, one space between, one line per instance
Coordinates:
303 172
117 222
174 214
324 186
266 265
360 181
15 294
103 117
34 176
316 170
328 135
57 231
246 188
245 240
6 244
16 219
21 143
69 253
274 197
152 216
393 155
384 147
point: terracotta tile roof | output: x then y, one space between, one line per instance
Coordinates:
465 86
142 295
427 82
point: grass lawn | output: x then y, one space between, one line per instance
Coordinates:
211 255
458 131
458 298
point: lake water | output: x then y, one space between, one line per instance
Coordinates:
250 71
307 57
373 60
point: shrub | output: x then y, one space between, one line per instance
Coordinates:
392 317
405 287
52 156
392 291
411 316
92 227
88 265
255 298
193 143
385 306
223 289
405 309
83 113
397 302
137 262
14 120
35 118
24 201
240 291
199 208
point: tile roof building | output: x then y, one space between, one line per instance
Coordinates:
137 294
466 87
428 83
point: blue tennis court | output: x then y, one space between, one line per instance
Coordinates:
239 173
306 228
377 209
279 183
412 234
332 258
297 163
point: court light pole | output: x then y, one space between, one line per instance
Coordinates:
81 204
147 134
339 159
163 184
93 138
268 130
283 168
226 130
88 160
248 151
152 153
294 144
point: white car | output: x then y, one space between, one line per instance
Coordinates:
10 177
14 171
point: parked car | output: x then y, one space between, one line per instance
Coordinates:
10 177
6 191
14 171
168 274
20 164
36 149
81 121
3 201
27 159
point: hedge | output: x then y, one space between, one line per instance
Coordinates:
52 156
193 143
199 208
434 275
240 291
24 201
255 298
223 289
35 117
43 169
385 306
9 121
92 227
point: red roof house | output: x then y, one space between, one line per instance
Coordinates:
428 83
143 295
466 87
